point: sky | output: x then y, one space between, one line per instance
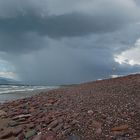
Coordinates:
62 42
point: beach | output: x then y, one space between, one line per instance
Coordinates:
101 110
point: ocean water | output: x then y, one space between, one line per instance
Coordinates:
10 92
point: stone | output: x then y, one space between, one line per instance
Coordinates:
58 127
21 119
67 131
13 123
52 124
22 116
121 138
73 137
1 129
49 136
74 122
2 113
6 134
90 112
31 125
38 137
48 104
30 134
120 128
98 131
20 137
31 110
17 131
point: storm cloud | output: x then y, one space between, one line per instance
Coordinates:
57 42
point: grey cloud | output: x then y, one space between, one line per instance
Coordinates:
74 24
61 64
32 21
57 42
25 33
21 43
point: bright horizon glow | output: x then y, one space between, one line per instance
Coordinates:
7 70
131 56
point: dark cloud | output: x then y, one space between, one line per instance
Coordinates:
74 24
24 25
58 42
60 64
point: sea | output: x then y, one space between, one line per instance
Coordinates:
13 92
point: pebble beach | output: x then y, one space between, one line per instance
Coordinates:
101 110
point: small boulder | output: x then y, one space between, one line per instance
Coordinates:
13 123
52 124
2 113
30 134
73 137
17 131
90 112
6 134
120 128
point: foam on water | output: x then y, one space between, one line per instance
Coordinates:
10 92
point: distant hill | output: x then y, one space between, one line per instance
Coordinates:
8 81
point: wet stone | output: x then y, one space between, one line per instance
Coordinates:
17 131
73 137
52 124
2 113
13 123
58 127
120 128
38 137
6 134
20 136
30 134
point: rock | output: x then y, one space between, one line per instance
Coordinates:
2 113
49 136
31 125
6 134
48 104
58 127
96 124
30 134
73 137
121 138
52 124
74 122
66 131
38 137
22 116
20 137
90 112
1 129
31 110
52 101
98 131
13 123
120 128
17 131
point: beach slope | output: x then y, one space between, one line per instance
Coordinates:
101 110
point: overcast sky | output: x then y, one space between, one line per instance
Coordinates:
67 41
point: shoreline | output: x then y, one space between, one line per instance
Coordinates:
100 110
15 95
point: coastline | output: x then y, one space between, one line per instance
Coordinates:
100 110
21 94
